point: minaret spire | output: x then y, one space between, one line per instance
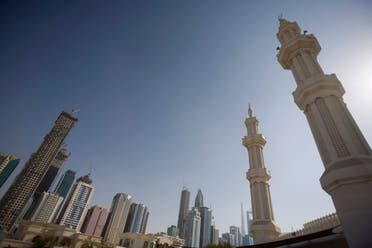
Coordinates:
264 228
345 153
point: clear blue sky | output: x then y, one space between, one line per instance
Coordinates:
163 88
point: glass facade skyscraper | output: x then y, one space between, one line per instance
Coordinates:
65 183
137 218
184 208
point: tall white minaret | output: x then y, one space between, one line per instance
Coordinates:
264 228
345 153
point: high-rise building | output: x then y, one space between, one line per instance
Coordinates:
205 226
235 238
346 155
137 218
94 221
214 235
46 207
199 199
117 218
76 206
264 228
249 223
192 228
242 226
184 208
47 180
172 231
7 165
25 184
65 183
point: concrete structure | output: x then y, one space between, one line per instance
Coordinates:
205 226
235 236
249 222
172 231
28 231
117 217
184 208
25 184
94 221
214 235
242 224
264 228
199 201
65 183
46 207
140 240
47 180
192 228
76 206
345 153
7 165
137 218
323 223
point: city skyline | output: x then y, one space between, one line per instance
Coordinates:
210 125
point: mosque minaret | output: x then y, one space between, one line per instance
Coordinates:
345 153
264 228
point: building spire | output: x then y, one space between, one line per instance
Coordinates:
250 112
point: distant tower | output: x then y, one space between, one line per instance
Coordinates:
345 153
28 180
76 206
249 223
137 218
199 199
46 207
264 228
205 226
192 228
48 179
94 221
7 165
242 226
65 183
184 208
172 231
117 217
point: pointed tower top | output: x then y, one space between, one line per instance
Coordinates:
250 112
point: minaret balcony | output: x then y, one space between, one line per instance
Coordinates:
254 140
289 49
314 88
258 175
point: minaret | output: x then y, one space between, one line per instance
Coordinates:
345 153
264 228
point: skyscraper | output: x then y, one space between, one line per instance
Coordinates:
172 231
346 155
94 221
235 238
249 223
205 226
7 165
184 208
47 180
137 219
46 207
192 228
199 199
214 235
76 206
33 172
65 183
264 228
117 218
242 226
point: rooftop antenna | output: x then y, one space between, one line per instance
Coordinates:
90 169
